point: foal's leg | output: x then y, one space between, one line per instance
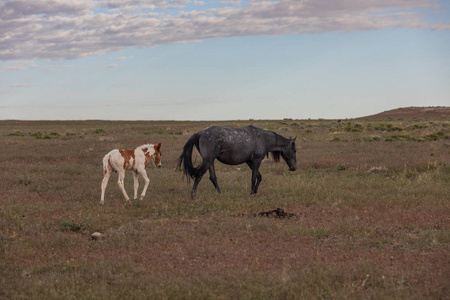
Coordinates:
136 183
120 182
147 182
104 184
213 177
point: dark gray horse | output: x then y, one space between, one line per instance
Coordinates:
235 146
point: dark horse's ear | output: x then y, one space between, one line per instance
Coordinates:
293 139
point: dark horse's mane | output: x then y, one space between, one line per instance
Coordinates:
279 140
275 155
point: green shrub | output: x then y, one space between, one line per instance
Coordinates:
372 138
434 136
99 131
36 134
417 126
72 226
16 133
399 137
69 226
387 127
39 135
24 180
341 167
348 127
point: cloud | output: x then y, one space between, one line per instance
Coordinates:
18 65
20 85
111 66
199 3
15 9
124 57
53 29
231 2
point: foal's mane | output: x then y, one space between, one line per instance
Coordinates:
145 146
149 147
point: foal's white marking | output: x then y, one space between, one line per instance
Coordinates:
136 160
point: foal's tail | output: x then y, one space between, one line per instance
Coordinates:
105 163
185 159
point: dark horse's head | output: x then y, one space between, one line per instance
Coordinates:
288 152
289 155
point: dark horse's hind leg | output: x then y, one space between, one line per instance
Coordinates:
202 171
213 177
194 187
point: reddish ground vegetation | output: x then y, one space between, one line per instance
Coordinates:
360 218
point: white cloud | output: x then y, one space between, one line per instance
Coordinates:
231 2
20 85
111 66
76 28
19 65
124 57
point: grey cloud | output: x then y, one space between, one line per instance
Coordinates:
160 4
11 9
74 28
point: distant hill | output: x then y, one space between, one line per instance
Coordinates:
409 113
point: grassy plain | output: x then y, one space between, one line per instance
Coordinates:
370 198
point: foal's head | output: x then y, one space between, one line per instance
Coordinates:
157 155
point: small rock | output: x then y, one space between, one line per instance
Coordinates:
97 236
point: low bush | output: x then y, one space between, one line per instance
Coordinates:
16 133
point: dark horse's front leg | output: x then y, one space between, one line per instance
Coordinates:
258 181
256 176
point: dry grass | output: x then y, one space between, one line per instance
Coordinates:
371 215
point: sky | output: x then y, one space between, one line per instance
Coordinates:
221 59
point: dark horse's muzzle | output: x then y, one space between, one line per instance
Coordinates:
292 165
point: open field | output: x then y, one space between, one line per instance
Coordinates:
370 201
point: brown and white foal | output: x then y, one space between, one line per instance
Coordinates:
136 160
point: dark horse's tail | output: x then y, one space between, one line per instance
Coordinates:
185 159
